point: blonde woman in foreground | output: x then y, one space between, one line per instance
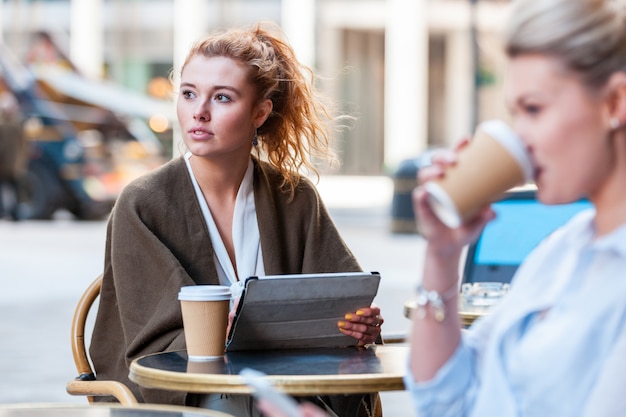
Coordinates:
556 344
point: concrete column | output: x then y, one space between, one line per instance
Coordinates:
87 36
298 23
2 28
330 60
406 80
189 23
459 84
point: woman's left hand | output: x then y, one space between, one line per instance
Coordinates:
364 324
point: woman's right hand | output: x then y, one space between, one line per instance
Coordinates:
440 237
231 316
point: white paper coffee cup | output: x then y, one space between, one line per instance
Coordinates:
205 318
495 161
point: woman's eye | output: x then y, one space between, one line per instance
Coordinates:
532 109
188 94
222 97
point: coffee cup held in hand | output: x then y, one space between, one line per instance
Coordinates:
205 318
494 161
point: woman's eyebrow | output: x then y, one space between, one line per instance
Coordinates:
214 88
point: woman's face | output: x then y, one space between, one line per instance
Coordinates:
217 108
564 126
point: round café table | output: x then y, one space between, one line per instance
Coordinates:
104 410
348 370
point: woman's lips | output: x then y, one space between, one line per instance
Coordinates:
199 134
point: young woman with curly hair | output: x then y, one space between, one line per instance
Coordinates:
235 205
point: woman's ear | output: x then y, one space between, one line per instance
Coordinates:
262 112
616 97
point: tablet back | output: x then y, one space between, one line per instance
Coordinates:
300 310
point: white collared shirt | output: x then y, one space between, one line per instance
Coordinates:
555 346
245 231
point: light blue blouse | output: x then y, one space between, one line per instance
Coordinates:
555 345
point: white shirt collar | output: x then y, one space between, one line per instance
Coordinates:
245 232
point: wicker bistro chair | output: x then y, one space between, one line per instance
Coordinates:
86 383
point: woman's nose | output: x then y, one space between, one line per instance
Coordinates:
519 128
201 112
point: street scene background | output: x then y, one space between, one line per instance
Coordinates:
46 265
415 75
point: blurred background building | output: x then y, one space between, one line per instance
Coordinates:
416 74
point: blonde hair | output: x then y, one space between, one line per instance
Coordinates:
587 36
299 128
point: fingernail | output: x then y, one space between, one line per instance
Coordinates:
348 316
359 312
341 324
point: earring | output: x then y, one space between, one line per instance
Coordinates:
614 123
255 139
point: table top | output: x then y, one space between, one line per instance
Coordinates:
104 410
467 313
346 370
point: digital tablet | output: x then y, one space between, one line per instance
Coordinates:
299 310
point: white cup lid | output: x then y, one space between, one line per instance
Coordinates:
204 293
503 133
442 205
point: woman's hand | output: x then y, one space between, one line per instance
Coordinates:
231 316
364 325
441 238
